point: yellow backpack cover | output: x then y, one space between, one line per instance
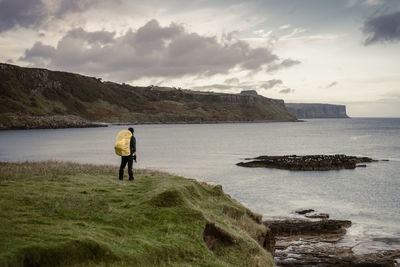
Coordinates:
122 143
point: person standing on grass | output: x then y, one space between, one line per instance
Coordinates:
128 159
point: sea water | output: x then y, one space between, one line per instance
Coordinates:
369 197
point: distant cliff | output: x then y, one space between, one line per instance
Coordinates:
40 98
311 111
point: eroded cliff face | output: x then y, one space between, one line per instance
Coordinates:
314 111
39 93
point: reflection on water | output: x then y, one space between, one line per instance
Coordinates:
367 196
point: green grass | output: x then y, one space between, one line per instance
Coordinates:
63 214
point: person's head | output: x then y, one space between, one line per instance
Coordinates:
131 130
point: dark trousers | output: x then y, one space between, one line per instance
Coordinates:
124 161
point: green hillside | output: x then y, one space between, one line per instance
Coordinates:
39 98
64 214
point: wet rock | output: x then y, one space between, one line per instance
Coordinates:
309 243
318 216
304 227
302 212
306 163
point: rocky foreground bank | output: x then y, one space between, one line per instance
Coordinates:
88 217
315 243
307 163
82 215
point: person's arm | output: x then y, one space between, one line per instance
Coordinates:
133 145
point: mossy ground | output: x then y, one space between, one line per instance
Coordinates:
63 214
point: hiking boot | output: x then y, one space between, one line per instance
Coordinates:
131 179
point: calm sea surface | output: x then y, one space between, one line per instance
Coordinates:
369 197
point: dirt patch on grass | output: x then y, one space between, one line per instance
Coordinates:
214 236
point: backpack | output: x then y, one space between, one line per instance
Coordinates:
122 143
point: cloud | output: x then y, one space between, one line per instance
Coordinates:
284 27
33 13
212 87
331 84
351 3
74 6
102 37
383 28
252 85
286 91
270 84
262 33
286 63
232 81
20 13
151 51
372 2
39 51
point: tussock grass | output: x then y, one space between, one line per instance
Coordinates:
66 214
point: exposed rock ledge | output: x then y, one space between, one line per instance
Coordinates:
307 163
314 243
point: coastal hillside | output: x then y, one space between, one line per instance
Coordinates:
40 98
65 214
315 111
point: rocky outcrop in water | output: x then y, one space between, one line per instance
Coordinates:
306 163
314 111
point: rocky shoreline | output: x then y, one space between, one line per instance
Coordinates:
307 163
17 122
315 243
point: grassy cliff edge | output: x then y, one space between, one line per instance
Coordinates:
63 214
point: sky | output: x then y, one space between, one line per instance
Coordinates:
309 51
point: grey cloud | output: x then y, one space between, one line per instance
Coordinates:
33 13
332 84
286 63
73 6
271 83
253 85
24 13
10 61
213 87
102 37
151 51
286 91
258 57
383 28
39 51
232 81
